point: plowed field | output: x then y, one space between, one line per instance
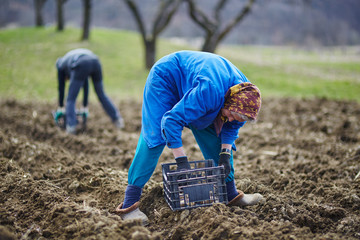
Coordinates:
302 155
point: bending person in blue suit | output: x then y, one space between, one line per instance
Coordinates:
201 91
77 65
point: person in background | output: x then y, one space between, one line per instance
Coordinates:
204 92
77 65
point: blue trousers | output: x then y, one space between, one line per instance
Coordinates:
87 66
146 159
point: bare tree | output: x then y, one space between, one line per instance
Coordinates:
60 14
86 20
165 13
39 4
214 32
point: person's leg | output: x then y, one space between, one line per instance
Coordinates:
141 169
73 92
105 101
210 146
78 76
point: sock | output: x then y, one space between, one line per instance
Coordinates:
231 190
132 195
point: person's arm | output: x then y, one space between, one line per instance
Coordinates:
224 158
226 146
229 132
61 86
196 103
86 93
178 152
181 158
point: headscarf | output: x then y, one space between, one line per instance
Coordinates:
243 98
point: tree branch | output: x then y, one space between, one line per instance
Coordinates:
218 9
235 21
200 18
165 13
138 17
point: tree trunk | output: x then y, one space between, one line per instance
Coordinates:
162 19
210 44
150 50
39 4
60 15
215 33
86 19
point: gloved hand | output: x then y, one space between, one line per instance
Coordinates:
182 163
60 112
224 160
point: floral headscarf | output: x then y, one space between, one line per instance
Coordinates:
243 98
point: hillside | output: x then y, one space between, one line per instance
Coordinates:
27 65
271 22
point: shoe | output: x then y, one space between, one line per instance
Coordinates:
132 213
246 199
119 123
71 129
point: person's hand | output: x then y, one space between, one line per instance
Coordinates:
225 161
60 112
182 163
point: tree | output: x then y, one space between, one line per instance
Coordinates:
214 33
39 4
165 13
86 20
60 14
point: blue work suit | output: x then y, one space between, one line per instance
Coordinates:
184 89
78 65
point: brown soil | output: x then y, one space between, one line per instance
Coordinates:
302 155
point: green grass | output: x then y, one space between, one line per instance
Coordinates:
28 56
280 71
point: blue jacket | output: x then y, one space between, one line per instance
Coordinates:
187 88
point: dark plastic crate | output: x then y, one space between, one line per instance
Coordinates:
201 186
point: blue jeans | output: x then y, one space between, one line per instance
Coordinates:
146 159
84 67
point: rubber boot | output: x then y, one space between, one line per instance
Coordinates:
71 129
132 213
246 199
119 123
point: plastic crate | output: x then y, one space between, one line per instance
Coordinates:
201 186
